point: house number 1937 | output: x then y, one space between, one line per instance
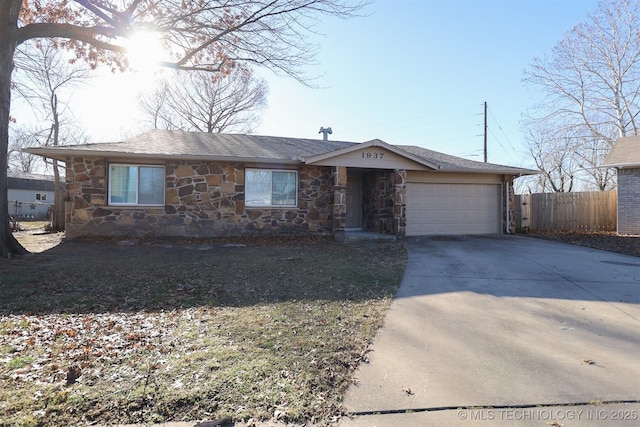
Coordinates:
372 155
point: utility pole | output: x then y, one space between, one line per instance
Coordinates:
485 131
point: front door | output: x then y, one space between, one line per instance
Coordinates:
354 200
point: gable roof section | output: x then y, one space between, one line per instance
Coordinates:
625 153
423 162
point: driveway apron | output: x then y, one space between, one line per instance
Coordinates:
505 323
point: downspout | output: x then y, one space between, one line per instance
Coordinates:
506 205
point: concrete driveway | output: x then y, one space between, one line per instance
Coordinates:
505 330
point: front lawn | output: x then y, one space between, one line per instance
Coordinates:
94 332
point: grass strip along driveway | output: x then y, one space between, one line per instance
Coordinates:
95 332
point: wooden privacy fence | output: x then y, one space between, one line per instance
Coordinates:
579 211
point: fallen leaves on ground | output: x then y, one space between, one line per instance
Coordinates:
606 241
100 333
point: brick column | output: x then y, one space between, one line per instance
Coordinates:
400 202
629 201
339 176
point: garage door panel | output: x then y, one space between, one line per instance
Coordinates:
452 209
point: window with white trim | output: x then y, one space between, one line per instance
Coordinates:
271 188
136 184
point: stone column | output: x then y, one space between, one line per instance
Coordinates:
339 176
400 202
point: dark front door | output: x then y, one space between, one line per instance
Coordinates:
354 200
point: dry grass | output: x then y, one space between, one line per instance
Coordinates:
156 331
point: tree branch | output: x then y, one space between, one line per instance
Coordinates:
87 35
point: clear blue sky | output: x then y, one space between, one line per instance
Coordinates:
414 72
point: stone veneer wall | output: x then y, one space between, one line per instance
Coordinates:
400 202
629 201
339 181
203 199
384 201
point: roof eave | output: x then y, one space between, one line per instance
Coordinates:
52 154
622 165
516 172
63 154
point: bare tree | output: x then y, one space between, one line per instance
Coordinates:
591 83
590 155
22 137
554 155
205 102
44 79
198 35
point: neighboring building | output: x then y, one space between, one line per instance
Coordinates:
625 157
170 183
30 195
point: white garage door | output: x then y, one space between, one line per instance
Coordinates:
452 209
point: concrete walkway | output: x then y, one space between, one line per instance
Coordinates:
505 330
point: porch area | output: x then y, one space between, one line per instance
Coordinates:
369 203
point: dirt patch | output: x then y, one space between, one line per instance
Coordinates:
35 237
37 241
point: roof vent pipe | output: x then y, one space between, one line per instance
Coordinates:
326 132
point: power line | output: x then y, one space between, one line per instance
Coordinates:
418 122
498 141
503 132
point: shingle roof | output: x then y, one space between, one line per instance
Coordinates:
254 148
450 163
29 181
198 145
625 153
33 176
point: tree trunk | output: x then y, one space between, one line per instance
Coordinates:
58 208
9 10
57 223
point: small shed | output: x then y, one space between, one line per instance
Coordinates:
30 195
625 157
